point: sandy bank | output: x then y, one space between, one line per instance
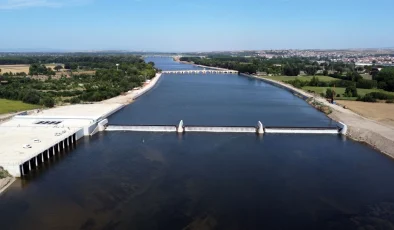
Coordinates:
5 183
133 94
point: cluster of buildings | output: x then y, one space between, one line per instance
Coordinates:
383 57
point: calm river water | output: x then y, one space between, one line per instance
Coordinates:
120 180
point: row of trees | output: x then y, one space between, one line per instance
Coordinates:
276 66
383 79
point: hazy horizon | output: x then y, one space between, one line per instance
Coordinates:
180 26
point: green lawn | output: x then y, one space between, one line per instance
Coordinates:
301 78
9 106
339 90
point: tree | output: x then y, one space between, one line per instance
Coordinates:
311 70
31 97
386 75
48 102
330 93
58 67
351 91
291 70
325 72
314 81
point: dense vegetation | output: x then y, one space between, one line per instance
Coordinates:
276 66
106 82
346 73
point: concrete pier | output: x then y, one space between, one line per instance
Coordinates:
29 140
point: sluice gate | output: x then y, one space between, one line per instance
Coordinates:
259 129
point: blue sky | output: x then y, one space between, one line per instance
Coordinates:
195 25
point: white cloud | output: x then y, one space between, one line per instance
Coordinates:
18 4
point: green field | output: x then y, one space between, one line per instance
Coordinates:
9 106
341 91
301 78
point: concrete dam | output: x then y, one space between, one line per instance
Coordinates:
258 129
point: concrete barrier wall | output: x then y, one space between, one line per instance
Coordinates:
142 128
102 125
220 129
301 131
224 129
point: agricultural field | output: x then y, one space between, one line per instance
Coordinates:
10 106
381 112
14 68
301 78
341 91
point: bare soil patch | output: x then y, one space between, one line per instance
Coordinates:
381 112
14 68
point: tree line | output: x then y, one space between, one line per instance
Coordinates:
293 66
107 81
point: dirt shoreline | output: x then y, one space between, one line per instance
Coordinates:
377 135
5 183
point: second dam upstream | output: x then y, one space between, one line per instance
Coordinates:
218 100
148 180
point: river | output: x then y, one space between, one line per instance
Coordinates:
123 180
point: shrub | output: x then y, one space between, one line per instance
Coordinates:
48 102
351 91
338 95
366 84
330 93
75 100
381 96
31 97
391 101
3 173
367 98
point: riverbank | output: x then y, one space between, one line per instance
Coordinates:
5 183
379 136
133 94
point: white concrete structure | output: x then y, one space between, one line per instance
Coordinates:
259 129
200 71
142 128
180 128
27 141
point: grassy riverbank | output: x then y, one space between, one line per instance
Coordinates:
301 78
10 106
341 91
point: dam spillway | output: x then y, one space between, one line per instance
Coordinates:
142 128
259 129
